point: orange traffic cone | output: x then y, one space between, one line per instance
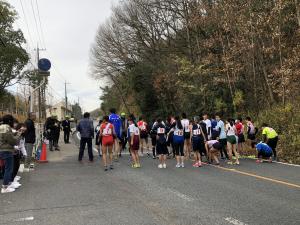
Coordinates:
43 157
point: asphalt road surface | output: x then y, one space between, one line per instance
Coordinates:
64 192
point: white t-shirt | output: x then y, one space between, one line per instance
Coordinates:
211 143
186 125
208 125
230 130
133 129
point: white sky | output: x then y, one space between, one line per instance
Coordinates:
69 28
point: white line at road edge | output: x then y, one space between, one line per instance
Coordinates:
180 195
25 219
283 163
234 221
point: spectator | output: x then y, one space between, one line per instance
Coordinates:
86 130
29 139
8 140
66 125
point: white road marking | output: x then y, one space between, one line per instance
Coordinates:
181 195
288 164
234 221
25 219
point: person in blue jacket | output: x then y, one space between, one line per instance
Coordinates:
264 151
116 120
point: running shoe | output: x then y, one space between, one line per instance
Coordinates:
138 165
230 163
200 163
7 190
164 166
270 161
111 167
182 165
178 165
134 165
237 163
258 161
196 165
105 168
160 166
15 185
148 154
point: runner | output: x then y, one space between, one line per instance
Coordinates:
134 140
187 136
240 133
270 137
207 121
161 143
213 148
107 132
178 141
198 139
231 141
251 132
98 138
222 137
143 126
124 132
214 130
115 119
264 151
153 138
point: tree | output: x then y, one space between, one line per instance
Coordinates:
13 57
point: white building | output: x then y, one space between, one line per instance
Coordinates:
59 110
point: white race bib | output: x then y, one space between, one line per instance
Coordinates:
161 130
196 132
107 131
178 132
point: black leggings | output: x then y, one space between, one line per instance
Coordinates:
223 151
16 166
179 149
272 142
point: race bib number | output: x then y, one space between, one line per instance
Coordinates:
196 132
136 132
178 132
107 131
161 130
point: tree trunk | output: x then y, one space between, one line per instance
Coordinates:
297 5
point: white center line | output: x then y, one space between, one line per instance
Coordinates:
181 195
25 219
234 221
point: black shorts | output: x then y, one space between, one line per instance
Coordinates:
241 138
251 137
161 149
187 135
217 146
144 135
198 145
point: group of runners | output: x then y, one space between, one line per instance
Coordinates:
197 139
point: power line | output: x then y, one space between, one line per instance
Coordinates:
26 22
41 27
36 24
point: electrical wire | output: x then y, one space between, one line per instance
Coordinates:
41 27
36 24
26 22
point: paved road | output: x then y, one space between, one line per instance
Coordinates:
64 192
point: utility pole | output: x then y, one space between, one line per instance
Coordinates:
66 98
41 89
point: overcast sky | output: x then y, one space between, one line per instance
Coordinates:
69 28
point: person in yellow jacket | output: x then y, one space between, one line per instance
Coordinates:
270 137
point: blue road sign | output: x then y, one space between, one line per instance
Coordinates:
44 64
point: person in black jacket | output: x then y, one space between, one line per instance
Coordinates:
52 128
66 126
30 137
